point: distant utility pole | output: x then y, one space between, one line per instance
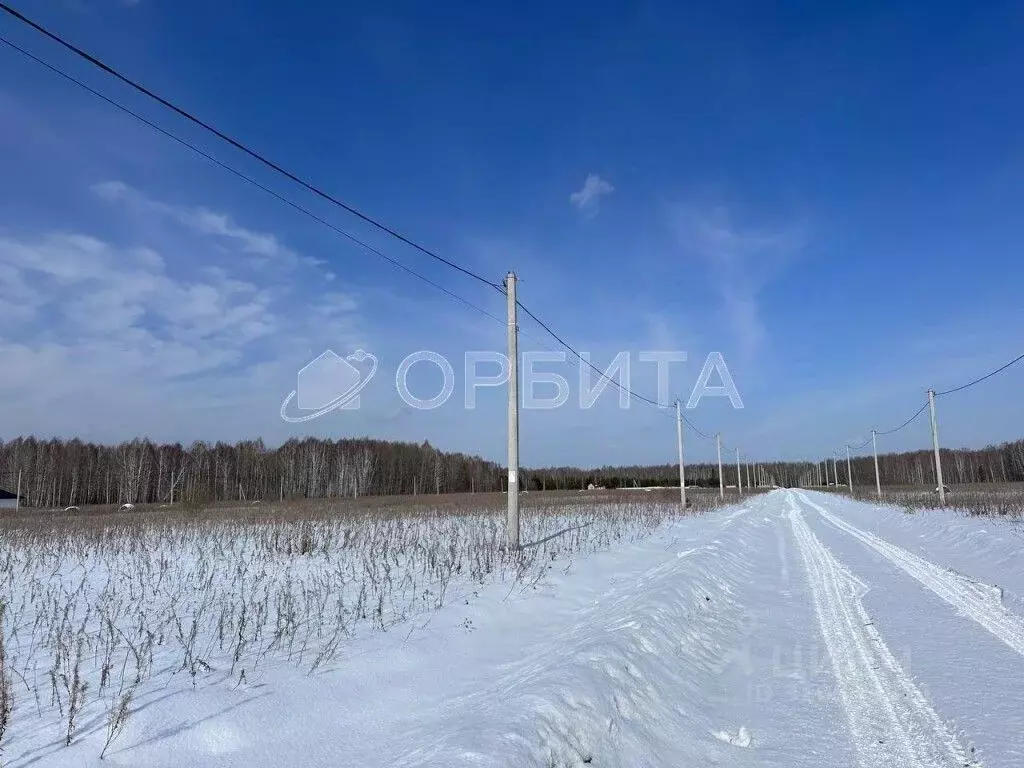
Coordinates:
512 521
682 471
739 474
874 448
849 472
748 475
721 477
935 445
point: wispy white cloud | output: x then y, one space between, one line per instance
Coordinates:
588 198
112 339
263 247
89 292
742 261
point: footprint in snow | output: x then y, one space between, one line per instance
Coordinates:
740 739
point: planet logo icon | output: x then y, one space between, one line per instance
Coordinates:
329 382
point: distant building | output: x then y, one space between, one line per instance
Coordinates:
8 500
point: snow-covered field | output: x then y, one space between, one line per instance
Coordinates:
795 629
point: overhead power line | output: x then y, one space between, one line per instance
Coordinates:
320 220
629 392
317 191
980 379
586 362
962 387
96 62
248 179
694 427
904 424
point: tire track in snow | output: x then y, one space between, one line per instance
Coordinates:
780 539
891 722
980 602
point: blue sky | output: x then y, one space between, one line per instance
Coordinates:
828 194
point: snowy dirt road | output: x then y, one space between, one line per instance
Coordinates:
795 629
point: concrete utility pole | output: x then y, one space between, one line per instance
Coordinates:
849 472
512 521
874 448
748 476
739 474
17 501
721 477
935 445
682 471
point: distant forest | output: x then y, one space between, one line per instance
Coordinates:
57 473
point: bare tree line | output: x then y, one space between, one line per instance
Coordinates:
1002 463
58 473
574 478
61 473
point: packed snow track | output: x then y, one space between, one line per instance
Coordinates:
981 602
890 721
